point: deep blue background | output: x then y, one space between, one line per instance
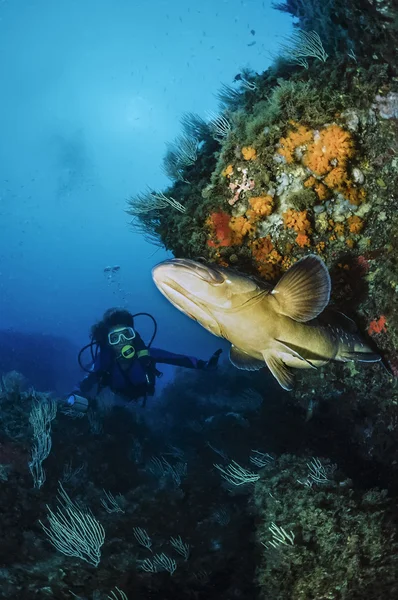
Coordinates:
91 90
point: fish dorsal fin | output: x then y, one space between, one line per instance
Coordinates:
304 290
289 348
242 360
279 370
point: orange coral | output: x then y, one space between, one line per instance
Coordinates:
303 240
249 153
261 206
355 224
378 325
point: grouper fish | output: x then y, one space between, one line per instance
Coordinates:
280 326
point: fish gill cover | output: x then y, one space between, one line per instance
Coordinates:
241 490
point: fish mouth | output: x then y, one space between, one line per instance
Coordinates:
179 295
200 283
168 273
189 267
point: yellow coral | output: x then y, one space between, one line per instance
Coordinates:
249 153
336 178
228 171
268 260
287 262
331 145
321 191
274 257
339 229
326 154
240 226
319 188
294 139
355 224
261 206
261 248
269 271
310 182
297 220
354 195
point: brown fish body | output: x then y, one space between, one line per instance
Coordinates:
316 343
281 326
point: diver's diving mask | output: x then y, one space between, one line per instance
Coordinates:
122 334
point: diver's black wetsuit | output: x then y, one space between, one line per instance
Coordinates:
138 381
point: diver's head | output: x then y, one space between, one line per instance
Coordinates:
120 340
116 330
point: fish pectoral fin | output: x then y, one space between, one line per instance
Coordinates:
279 370
304 290
285 346
242 360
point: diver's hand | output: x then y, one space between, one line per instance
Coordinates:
212 363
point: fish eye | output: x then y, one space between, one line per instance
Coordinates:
210 275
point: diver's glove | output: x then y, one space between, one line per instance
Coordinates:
212 363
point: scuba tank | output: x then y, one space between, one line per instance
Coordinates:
129 352
94 346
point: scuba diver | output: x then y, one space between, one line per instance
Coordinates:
121 361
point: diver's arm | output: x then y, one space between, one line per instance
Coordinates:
79 398
182 360
86 385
